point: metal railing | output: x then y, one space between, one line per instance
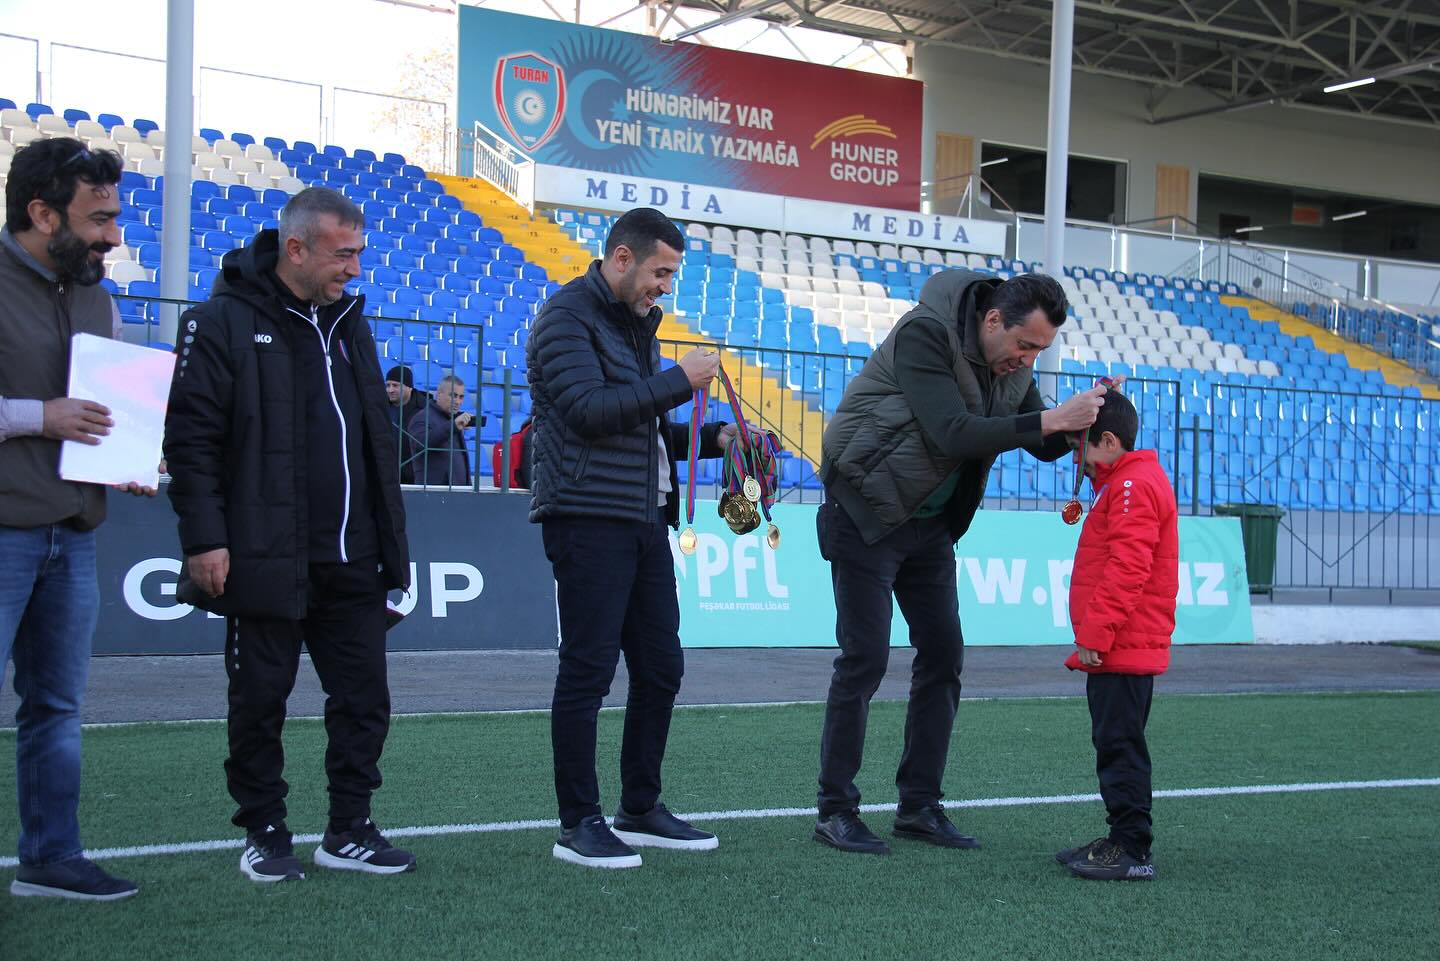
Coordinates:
495 160
1357 474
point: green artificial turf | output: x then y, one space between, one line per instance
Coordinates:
1342 874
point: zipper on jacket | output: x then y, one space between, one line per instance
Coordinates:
314 321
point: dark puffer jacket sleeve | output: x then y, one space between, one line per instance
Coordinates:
591 407
197 424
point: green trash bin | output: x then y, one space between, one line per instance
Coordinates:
1259 530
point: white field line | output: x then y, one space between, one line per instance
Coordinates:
438 830
747 705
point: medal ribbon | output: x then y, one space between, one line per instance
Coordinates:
755 450
698 402
1109 385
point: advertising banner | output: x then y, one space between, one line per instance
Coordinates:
1012 568
478 573
622 103
480 581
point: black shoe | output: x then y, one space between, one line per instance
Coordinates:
269 856
1109 861
1071 854
846 832
658 828
362 848
592 844
932 826
78 879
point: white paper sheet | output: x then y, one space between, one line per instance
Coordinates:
134 382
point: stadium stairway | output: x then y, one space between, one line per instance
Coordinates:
1357 355
543 242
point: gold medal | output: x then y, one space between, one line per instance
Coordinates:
751 488
740 515
1071 512
688 541
772 537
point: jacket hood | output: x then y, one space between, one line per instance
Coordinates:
945 294
247 272
1103 472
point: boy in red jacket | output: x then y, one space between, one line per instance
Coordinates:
1122 607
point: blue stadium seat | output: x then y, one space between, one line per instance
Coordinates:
210 135
38 110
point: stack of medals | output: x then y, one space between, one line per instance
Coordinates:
750 474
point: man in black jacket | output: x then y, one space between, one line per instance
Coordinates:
438 448
605 493
284 476
405 403
904 461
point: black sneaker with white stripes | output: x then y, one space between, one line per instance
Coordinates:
362 848
270 856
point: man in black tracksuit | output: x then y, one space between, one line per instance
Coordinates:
282 455
904 461
606 494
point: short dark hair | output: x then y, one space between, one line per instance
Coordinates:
1119 417
1020 296
640 230
50 171
305 208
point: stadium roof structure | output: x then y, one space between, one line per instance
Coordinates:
1385 54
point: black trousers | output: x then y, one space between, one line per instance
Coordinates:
1119 708
916 566
616 592
344 631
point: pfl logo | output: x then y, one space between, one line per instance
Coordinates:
263 338
529 97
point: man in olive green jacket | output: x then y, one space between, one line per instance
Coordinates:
905 462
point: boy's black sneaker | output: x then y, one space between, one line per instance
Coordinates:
362 848
930 824
1070 854
845 831
269 856
1109 861
658 828
78 879
593 844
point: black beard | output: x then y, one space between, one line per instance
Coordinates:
72 258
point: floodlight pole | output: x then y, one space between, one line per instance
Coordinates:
1057 159
179 127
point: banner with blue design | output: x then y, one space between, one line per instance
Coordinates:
626 104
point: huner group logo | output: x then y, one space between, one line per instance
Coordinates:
859 163
529 97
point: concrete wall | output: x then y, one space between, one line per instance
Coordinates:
1006 101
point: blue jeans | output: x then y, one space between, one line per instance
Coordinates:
49 600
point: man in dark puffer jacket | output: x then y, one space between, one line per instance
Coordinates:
606 493
284 475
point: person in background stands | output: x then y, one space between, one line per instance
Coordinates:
405 403
439 451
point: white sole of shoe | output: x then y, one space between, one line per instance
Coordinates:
656 841
259 878
327 860
24 889
563 853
